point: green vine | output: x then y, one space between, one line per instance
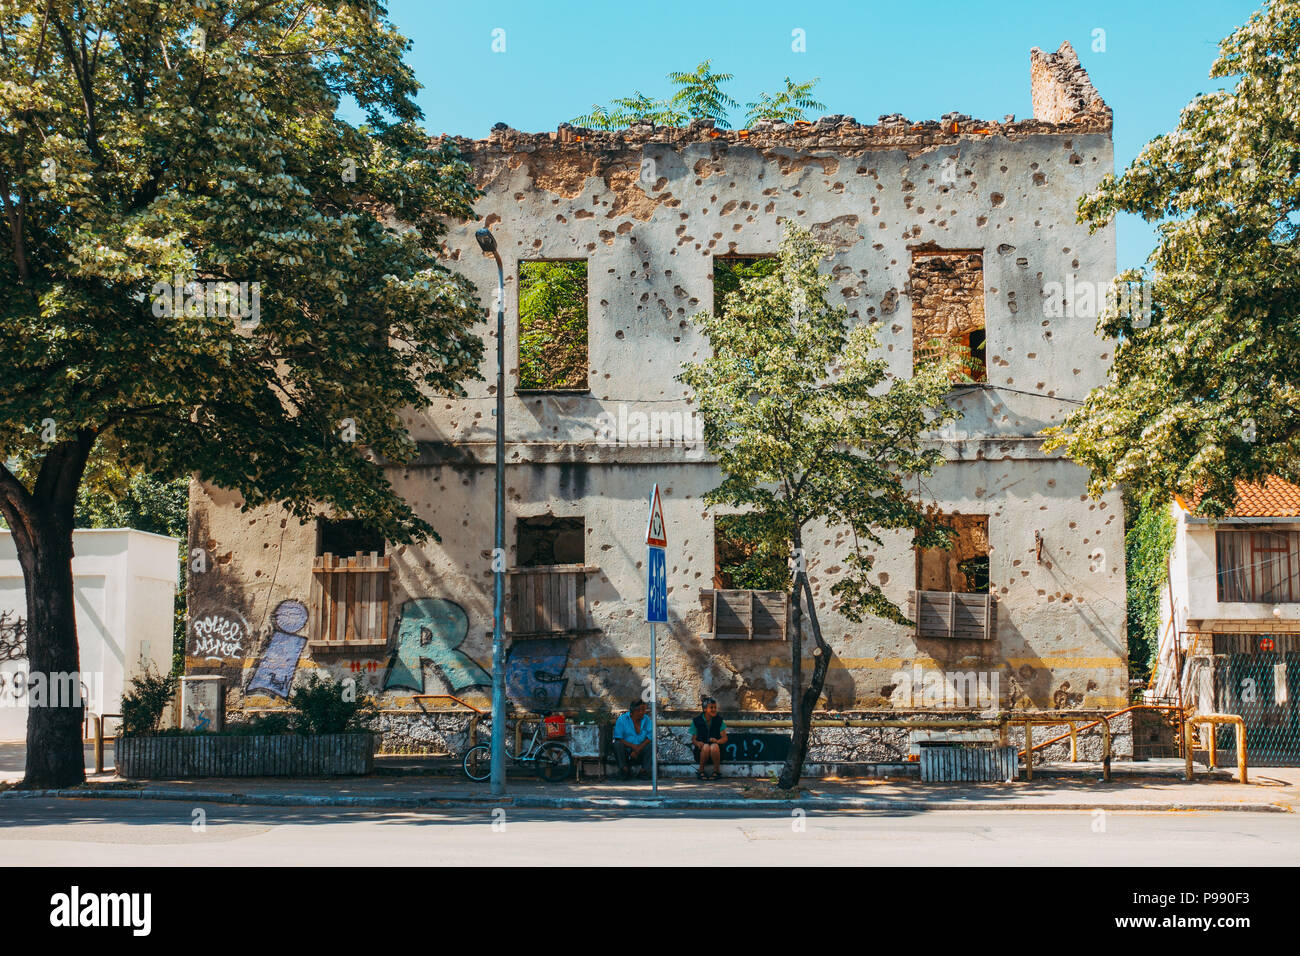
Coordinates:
1146 548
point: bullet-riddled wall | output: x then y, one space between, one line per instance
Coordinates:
649 209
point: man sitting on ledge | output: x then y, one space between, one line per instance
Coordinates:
632 740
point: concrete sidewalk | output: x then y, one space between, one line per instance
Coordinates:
1157 786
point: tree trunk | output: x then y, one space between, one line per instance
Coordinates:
54 750
798 732
804 705
41 521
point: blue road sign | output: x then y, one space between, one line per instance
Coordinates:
656 603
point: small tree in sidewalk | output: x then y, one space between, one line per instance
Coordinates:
810 428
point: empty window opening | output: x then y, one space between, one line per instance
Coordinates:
728 271
347 537
553 325
741 561
947 292
546 540
965 568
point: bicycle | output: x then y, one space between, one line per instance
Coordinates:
552 760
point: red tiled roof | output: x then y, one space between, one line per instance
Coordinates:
1274 498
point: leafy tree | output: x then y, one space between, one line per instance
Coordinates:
809 428
145 147
699 93
553 325
1205 387
788 105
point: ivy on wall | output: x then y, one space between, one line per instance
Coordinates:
1146 547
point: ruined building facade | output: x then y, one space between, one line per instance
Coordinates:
947 229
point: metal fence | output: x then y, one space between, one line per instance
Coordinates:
1260 681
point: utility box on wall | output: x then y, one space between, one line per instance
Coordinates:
125 591
203 703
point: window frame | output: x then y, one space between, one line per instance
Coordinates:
519 389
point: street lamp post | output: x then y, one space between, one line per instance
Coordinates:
488 243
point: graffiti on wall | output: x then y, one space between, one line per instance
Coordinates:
432 629
219 635
535 677
13 637
275 671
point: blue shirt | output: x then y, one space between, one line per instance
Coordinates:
623 729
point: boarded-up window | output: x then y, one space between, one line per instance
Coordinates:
553 325
965 568
547 540
549 601
746 615
349 602
947 293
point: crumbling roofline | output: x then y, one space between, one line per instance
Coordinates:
1064 101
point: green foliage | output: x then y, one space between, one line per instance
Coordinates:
699 93
788 105
729 271
113 498
1147 543
553 325
261 725
135 500
630 109
747 558
809 426
204 142
324 706
144 703
1209 393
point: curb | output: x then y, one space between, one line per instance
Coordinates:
628 803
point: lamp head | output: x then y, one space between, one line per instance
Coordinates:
486 241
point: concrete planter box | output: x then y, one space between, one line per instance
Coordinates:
221 755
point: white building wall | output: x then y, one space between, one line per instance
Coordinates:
125 590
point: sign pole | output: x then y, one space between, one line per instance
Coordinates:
656 612
654 713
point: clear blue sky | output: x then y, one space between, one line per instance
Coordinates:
921 59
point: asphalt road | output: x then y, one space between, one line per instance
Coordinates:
146 833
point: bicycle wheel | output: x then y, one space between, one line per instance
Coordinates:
554 762
478 762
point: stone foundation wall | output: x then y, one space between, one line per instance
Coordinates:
448 733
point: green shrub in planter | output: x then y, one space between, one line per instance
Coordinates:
144 703
331 707
261 725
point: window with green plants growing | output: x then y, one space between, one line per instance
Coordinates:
743 559
553 325
729 270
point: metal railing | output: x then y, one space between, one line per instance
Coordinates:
1214 720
